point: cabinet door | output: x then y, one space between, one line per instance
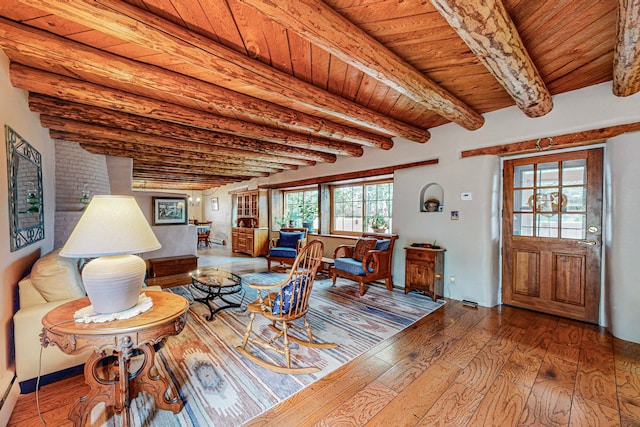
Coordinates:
420 276
249 244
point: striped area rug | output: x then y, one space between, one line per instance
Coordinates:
221 388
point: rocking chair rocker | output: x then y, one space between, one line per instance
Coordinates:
286 302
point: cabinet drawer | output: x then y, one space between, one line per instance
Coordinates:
421 255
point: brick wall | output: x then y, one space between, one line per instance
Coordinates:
75 167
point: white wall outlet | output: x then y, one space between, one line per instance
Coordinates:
466 196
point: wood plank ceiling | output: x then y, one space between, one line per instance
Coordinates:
201 93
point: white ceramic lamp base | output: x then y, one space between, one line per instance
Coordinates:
113 283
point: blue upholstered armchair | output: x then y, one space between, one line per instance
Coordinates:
286 247
369 260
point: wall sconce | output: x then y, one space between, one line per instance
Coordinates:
195 202
86 196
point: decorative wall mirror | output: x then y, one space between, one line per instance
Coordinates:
24 170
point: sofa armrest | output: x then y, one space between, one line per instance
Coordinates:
28 293
27 329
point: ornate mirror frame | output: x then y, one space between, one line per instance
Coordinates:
24 170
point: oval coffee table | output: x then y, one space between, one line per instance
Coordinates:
216 283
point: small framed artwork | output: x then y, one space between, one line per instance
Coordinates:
214 204
169 210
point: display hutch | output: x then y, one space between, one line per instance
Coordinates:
424 271
250 222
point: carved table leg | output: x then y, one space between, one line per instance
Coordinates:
154 384
101 391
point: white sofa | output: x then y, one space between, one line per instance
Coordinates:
54 280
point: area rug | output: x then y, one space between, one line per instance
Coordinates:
222 388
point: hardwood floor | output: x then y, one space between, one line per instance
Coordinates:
459 366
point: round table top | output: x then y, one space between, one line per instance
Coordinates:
166 307
215 277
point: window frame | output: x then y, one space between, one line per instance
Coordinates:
303 190
363 184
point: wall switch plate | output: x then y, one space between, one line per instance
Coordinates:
466 196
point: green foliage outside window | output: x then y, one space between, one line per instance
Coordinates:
363 207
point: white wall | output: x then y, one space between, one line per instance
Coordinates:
14 111
622 269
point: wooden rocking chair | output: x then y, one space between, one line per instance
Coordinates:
286 302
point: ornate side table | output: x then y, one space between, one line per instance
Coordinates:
115 343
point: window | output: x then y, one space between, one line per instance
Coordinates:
550 199
362 207
301 209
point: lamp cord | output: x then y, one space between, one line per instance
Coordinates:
44 423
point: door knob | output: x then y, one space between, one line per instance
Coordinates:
588 242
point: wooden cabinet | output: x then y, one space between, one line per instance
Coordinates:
252 241
424 271
167 266
250 223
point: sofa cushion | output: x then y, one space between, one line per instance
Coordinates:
57 278
363 245
283 252
383 244
289 239
350 265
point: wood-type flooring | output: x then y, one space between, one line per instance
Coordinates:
459 366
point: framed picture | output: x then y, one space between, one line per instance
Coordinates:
214 204
169 210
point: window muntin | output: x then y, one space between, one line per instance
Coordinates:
550 200
356 206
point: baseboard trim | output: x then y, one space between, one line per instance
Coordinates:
29 386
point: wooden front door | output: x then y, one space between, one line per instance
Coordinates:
552 233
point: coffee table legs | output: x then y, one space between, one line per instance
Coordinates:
120 385
219 293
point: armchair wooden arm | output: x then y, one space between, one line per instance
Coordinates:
344 251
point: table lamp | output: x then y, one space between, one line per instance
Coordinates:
111 230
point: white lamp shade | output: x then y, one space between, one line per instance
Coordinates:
111 225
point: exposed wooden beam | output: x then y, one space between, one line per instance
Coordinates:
626 60
576 139
101 145
100 67
216 62
185 178
109 118
351 175
486 27
197 162
149 184
153 140
160 167
69 89
323 26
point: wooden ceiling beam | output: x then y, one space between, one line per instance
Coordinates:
100 145
160 167
185 178
217 63
73 90
115 134
486 27
150 158
109 118
323 26
138 78
147 185
626 59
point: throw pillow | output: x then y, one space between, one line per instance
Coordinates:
363 245
383 245
296 286
57 278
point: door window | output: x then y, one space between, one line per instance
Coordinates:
549 199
